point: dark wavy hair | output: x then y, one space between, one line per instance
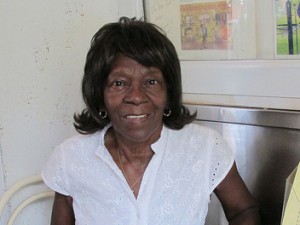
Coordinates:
148 45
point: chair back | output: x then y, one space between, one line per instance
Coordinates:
9 210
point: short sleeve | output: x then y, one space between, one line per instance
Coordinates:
54 174
222 159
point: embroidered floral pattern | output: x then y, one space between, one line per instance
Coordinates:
187 165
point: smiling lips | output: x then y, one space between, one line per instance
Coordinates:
136 116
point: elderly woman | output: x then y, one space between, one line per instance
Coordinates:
138 159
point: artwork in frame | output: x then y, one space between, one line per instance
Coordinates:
207 29
287 29
206 26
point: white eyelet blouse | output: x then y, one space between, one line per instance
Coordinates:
187 166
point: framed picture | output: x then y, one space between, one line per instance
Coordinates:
206 29
287 29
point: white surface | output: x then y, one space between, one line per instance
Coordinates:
43 45
254 83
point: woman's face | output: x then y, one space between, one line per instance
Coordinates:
135 97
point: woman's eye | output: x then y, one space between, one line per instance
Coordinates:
118 83
152 82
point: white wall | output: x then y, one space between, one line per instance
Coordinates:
43 45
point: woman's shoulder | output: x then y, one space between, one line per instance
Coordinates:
193 134
81 139
194 129
80 142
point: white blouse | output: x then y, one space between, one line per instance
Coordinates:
187 166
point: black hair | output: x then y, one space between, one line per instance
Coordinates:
147 44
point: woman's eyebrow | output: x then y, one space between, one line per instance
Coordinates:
153 70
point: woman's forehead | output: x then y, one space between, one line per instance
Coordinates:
126 64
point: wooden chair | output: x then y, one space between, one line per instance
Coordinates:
8 195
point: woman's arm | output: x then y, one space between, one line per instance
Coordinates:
239 205
62 211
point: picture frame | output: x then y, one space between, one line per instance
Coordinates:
287 29
230 27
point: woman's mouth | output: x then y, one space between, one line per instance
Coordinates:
136 116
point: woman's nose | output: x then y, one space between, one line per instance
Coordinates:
136 94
